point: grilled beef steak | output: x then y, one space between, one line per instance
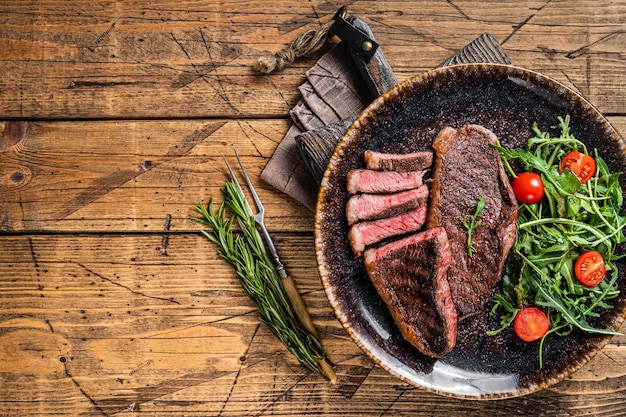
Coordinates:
367 233
467 168
378 206
370 181
410 276
398 162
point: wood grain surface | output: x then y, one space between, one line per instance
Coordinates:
113 120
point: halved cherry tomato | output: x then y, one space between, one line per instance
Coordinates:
531 324
589 268
581 165
528 187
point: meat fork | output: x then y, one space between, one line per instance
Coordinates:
288 283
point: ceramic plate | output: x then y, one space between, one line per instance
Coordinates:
506 100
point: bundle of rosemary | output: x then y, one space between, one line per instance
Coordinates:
245 251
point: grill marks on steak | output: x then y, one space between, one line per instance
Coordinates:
410 276
370 181
377 206
467 168
416 161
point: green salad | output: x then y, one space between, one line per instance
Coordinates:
562 269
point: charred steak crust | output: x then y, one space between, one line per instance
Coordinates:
467 168
410 276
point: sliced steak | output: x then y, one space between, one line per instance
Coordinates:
416 161
370 181
366 233
467 168
378 206
410 276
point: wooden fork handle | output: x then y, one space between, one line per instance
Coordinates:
297 303
299 308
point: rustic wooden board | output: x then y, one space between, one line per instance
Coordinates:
113 120
163 59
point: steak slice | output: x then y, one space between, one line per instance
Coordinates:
410 276
370 181
378 206
367 233
416 161
467 168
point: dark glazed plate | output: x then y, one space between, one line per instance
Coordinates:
507 100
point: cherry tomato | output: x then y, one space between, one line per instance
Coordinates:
581 165
589 268
528 187
531 324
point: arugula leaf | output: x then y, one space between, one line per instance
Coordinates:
473 224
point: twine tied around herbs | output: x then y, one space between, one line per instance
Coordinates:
304 44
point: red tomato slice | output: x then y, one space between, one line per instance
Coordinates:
589 268
531 324
581 165
528 188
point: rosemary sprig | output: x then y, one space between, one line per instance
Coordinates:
473 224
245 251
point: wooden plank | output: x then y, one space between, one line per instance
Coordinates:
159 59
104 324
112 176
131 175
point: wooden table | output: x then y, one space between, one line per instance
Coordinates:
114 118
